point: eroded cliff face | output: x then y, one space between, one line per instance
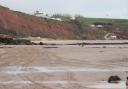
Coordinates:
21 24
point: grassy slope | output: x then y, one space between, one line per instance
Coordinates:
116 22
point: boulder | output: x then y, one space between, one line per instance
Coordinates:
114 79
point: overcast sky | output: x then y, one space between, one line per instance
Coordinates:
88 8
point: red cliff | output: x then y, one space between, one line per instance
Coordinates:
21 24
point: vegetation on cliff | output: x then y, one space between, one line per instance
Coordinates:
19 24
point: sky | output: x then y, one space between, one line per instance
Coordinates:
87 8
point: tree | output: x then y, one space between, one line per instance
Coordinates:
79 17
64 17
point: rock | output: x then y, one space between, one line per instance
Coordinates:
114 79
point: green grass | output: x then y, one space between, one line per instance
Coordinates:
115 22
123 23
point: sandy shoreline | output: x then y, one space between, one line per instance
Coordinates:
30 67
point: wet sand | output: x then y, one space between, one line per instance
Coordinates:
64 67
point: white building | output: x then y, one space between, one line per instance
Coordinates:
40 14
99 26
59 19
96 26
113 37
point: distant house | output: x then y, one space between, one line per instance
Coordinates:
40 14
73 18
113 37
59 19
96 26
92 25
101 25
110 36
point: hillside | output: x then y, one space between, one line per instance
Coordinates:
19 24
116 22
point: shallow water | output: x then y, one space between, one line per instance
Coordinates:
21 70
105 85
